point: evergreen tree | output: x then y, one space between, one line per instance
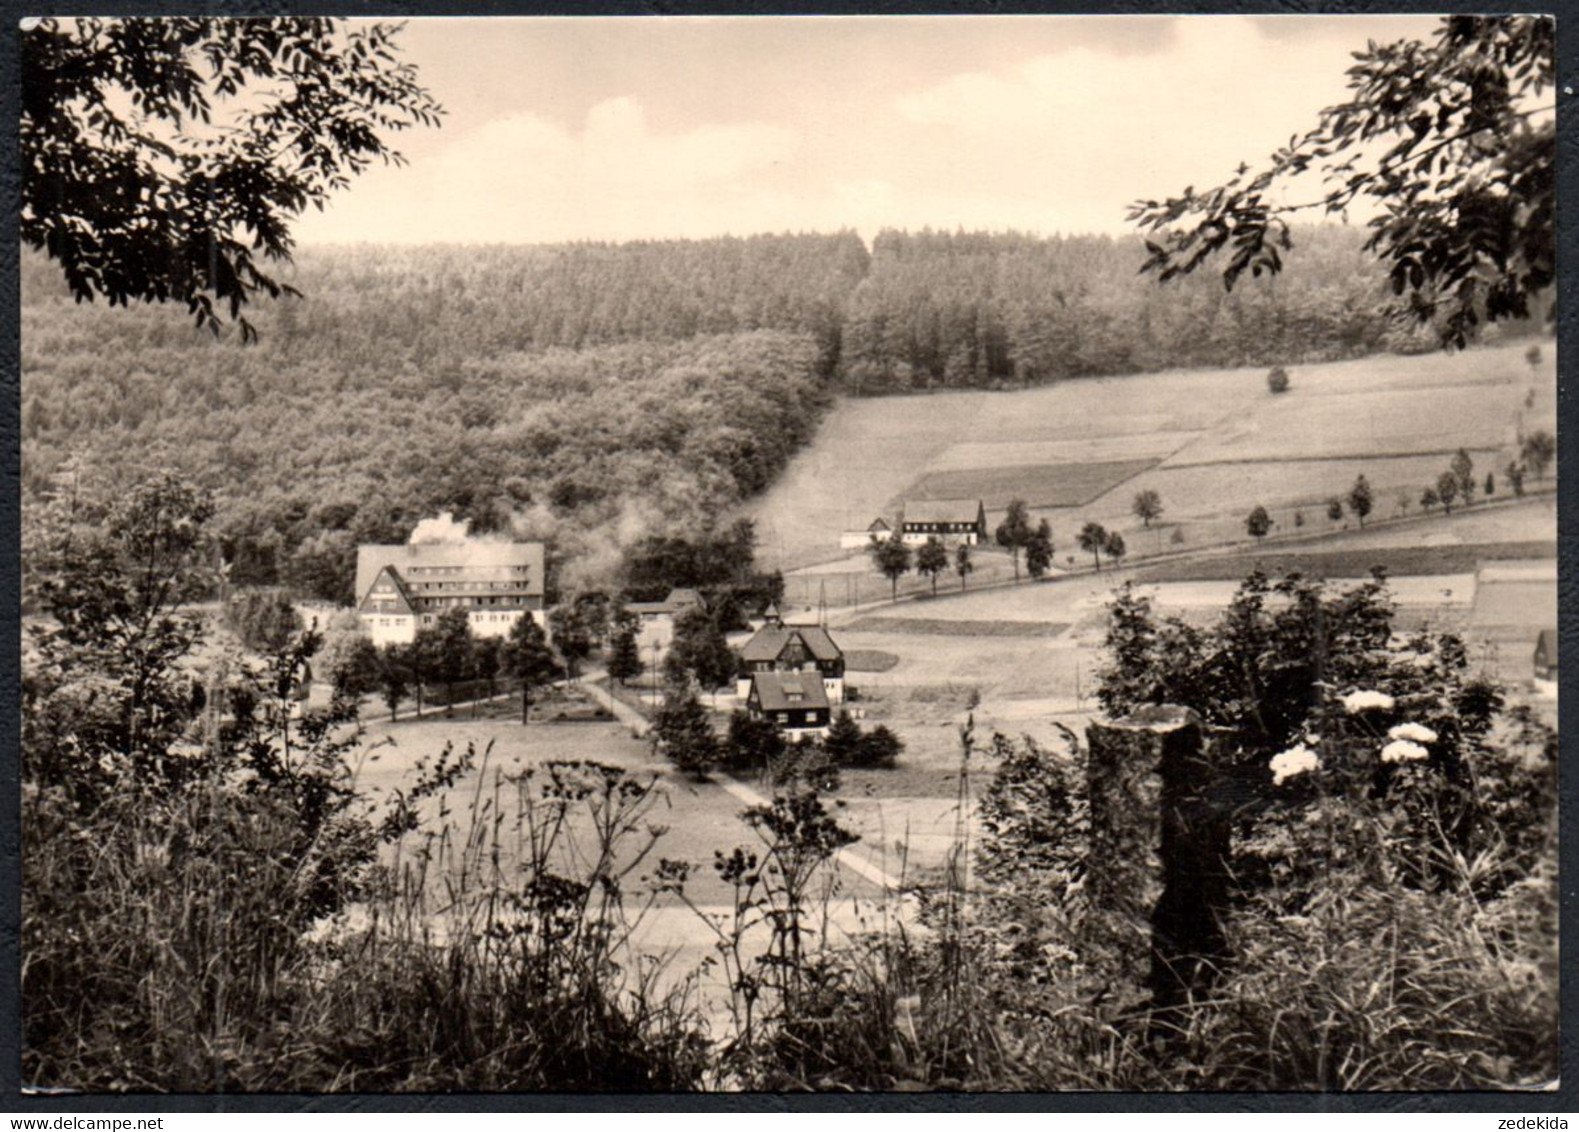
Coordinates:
963 566
624 654
1039 550
529 659
1015 532
682 731
1463 469
1258 522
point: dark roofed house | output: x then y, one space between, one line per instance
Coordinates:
1546 655
794 702
947 520
777 647
657 617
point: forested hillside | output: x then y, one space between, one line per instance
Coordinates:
596 392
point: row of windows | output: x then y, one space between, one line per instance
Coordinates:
519 571
941 528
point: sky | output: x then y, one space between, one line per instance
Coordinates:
620 128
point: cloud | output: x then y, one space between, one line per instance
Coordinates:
522 177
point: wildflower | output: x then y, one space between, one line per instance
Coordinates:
1292 762
1367 700
1403 751
1414 732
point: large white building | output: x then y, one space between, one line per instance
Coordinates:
404 587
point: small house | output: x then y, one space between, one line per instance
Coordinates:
794 702
947 520
658 617
777 647
857 540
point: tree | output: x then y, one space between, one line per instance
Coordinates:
963 566
394 678
1404 501
264 619
1361 500
1258 522
1429 499
567 625
529 658
138 192
1299 518
1093 540
682 731
349 663
892 558
1335 510
1490 487
1147 506
1277 379
452 651
624 654
1115 546
1463 469
1532 357
699 651
113 574
488 662
1450 142
1447 490
932 560
1538 451
879 748
1039 550
751 744
1515 474
1015 531
843 741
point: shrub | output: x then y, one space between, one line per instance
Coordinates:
1277 379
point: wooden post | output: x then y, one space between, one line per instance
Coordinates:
1157 873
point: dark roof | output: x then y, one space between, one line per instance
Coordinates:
943 511
680 598
400 588
780 691
770 640
879 524
481 561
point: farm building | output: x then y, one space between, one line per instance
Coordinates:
794 702
948 520
777 647
658 617
855 540
403 587
1546 655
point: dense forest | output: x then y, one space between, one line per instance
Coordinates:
597 394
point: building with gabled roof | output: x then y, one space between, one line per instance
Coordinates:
947 520
658 617
777 647
794 702
400 588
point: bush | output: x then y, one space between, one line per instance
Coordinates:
1277 380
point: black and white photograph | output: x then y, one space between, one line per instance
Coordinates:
788 554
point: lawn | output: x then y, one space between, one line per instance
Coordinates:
1040 485
1399 561
958 627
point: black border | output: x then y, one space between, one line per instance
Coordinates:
1511 1103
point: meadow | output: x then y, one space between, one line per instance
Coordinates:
1212 443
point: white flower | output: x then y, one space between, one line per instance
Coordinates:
1412 731
1294 761
1403 751
1366 700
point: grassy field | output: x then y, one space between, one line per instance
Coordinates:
1040 485
1222 444
960 627
1398 561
